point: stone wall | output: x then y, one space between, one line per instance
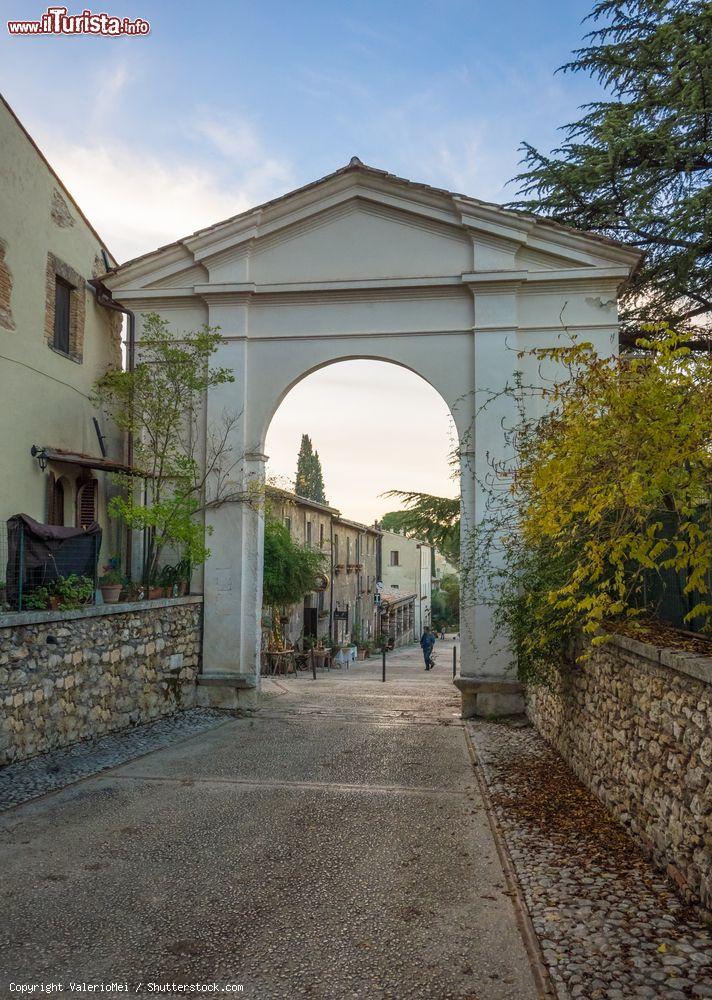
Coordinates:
66 676
635 724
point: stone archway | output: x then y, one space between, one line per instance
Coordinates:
362 264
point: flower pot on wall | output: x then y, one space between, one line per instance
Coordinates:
111 592
154 593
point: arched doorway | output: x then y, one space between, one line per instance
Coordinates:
376 426
362 264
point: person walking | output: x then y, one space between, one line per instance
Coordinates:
427 641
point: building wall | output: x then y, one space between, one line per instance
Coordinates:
635 724
350 553
355 587
107 668
412 575
45 394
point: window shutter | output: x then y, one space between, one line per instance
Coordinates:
62 309
87 503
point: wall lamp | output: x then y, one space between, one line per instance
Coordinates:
39 454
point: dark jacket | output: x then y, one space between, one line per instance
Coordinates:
427 641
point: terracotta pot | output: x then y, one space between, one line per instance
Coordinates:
182 588
155 592
362 654
53 603
110 592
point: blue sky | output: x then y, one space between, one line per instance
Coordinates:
226 104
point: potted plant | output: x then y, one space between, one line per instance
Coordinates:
38 600
72 591
156 587
111 583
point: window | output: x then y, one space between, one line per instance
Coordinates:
395 557
336 548
348 550
321 536
62 311
86 503
309 532
288 524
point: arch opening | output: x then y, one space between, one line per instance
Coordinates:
377 425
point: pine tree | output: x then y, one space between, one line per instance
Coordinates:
637 166
309 482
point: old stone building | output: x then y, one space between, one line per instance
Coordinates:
56 339
346 606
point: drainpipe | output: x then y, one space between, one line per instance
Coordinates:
331 578
105 299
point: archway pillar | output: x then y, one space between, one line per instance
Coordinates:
232 610
487 681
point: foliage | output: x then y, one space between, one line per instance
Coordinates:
614 482
160 403
309 482
445 602
636 166
433 519
290 570
112 572
72 591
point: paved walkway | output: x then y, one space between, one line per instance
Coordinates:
333 845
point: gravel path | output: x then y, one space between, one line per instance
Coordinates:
610 925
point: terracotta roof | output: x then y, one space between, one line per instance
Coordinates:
356 165
275 491
87 461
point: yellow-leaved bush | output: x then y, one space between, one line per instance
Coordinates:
610 488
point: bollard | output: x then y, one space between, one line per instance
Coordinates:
454 662
313 662
384 664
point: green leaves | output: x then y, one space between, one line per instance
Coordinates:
290 570
160 403
309 482
637 167
612 486
430 518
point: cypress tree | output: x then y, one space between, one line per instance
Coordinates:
309 482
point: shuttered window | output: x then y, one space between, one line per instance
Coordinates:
62 303
87 503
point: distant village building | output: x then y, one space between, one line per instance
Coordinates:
345 606
56 339
406 573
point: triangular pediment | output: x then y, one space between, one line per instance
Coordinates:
363 224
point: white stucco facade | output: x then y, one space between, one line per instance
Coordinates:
362 264
47 393
406 567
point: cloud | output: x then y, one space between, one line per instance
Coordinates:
386 429
139 200
110 84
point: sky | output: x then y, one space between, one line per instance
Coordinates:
224 105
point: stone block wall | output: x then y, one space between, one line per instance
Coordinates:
635 724
67 676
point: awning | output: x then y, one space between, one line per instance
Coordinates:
88 461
